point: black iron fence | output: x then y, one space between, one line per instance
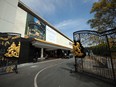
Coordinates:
100 48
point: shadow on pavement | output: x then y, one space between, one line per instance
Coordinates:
85 79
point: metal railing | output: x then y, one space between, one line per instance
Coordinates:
100 48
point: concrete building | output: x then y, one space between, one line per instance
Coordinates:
39 39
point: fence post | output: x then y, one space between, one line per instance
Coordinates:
75 64
113 72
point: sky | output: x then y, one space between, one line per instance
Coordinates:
67 16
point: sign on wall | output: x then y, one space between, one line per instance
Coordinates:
51 35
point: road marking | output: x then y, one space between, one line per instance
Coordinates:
33 66
26 64
50 60
35 79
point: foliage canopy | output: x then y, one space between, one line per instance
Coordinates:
104 15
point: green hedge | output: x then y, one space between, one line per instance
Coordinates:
101 50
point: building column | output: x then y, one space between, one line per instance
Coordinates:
41 52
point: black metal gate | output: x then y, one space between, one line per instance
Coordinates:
100 48
9 52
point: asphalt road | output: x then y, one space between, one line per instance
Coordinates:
52 73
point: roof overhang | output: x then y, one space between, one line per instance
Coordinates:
48 45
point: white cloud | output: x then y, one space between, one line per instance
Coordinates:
40 6
80 24
46 6
69 26
86 1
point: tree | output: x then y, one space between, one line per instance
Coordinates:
104 15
